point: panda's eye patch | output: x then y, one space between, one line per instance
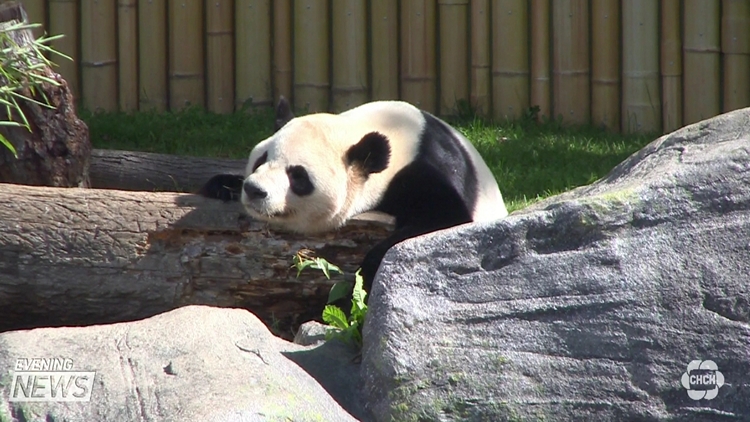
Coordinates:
299 180
260 161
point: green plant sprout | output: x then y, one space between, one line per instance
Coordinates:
303 260
348 328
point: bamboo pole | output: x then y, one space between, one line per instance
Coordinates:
541 89
454 59
605 63
735 44
63 19
219 56
570 67
510 62
186 84
99 54
671 65
480 96
701 66
349 54
311 55
641 99
282 48
418 55
152 55
127 28
253 49
385 44
36 10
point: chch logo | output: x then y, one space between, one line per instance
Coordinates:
702 379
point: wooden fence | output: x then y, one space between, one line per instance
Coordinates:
627 64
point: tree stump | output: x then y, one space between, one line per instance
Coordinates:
56 152
90 256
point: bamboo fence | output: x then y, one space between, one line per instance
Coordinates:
605 63
628 65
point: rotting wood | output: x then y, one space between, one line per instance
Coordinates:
89 256
145 171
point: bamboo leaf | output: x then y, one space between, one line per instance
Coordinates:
8 145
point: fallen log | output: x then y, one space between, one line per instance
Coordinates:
146 171
89 256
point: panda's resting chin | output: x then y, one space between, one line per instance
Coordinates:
277 216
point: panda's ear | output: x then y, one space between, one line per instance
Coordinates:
371 154
283 113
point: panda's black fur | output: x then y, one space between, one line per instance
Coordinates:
433 180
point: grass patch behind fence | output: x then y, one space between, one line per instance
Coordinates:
530 160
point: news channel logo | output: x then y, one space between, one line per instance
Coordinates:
49 379
702 380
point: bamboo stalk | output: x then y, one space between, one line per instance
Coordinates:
349 54
63 19
311 55
36 10
253 49
186 84
510 63
570 61
735 44
541 89
480 96
127 27
219 56
605 63
671 65
418 55
701 66
99 54
282 48
641 102
454 54
152 55
385 44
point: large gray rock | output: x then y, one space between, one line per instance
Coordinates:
192 364
586 307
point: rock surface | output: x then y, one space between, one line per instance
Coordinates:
192 364
588 306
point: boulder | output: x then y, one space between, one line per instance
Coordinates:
195 363
628 299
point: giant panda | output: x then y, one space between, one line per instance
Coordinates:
318 171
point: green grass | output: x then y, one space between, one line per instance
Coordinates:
192 131
530 160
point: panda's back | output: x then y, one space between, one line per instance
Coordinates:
417 137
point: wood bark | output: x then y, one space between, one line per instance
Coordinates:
145 171
89 256
57 150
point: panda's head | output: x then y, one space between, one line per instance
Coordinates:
309 174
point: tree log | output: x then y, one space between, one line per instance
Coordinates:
145 171
85 256
57 150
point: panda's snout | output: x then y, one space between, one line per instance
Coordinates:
253 191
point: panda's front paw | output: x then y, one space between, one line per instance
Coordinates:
227 187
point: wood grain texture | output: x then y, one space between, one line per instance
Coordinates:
84 256
147 171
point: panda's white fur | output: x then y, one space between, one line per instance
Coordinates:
319 170
318 142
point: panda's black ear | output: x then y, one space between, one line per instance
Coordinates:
283 113
372 153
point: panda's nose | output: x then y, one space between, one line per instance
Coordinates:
254 192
